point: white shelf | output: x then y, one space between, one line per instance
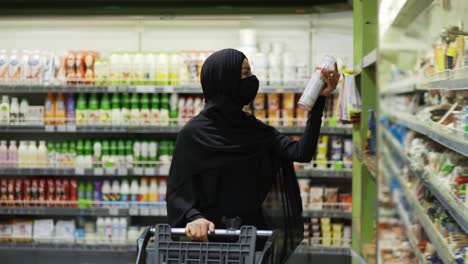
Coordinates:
368 60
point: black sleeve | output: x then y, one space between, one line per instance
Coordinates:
304 149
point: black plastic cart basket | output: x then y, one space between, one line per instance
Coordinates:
244 246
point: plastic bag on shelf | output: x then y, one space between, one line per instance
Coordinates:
350 99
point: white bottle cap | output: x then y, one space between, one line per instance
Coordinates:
12 142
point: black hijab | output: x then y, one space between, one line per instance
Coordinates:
222 134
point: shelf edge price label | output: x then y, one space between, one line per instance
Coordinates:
50 128
113 211
79 171
112 88
98 171
110 171
138 171
122 172
150 171
168 89
144 211
133 211
155 211
61 128
71 128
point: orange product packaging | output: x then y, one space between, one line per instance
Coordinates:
27 190
80 66
273 117
11 190
288 117
18 191
259 102
288 101
88 64
301 116
3 191
273 101
260 114
70 69
59 110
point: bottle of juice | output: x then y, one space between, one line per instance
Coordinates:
14 111
72 154
121 164
51 154
64 154
60 111
143 191
145 110
164 111
125 191
71 113
81 194
42 155
93 110
115 230
164 155
173 112
97 154
134 110
5 111
112 162
125 111
107 230
80 160
129 154
24 112
137 154
115 190
116 115
162 190
81 110
58 155
154 120
105 111
32 154
3 154
12 155
105 153
106 192
145 153
134 191
22 155
49 109
89 194
97 191
88 154
100 230
153 190
153 153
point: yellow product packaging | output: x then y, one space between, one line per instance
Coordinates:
326 241
288 101
337 242
326 228
260 114
273 117
288 117
337 235
337 227
259 102
325 221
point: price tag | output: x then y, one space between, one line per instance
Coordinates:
98 171
163 171
144 211
49 128
79 171
133 211
113 211
138 171
71 128
168 89
62 128
122 172
155 211
110 171
163 211
112 88
150 171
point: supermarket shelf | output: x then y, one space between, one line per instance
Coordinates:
66 247
450 138
152 211
338 130
327 213
318 173
98 172
409 231
323 250
368 60
191 89
400 87
435 237
371 164
453 205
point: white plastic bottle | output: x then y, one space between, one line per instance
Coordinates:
23 155
100 230
12 155
3 154
123 230
314 86
134 191
124 192
107 230
14 111
5 111
115 230
143 191
24 112
162 190
137 154
32 154
106 192
144 153
115 191
152 153
97 152
42 155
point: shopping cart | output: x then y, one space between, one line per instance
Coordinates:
244 246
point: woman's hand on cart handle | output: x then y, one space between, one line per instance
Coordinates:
198 230
331 79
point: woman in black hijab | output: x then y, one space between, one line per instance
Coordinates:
229 165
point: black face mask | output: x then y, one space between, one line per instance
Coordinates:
248 89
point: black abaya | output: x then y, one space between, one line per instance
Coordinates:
228 164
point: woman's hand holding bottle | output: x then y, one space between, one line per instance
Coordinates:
331 78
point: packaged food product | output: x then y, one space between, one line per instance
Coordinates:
260 114
3 65
301 116
43 230
22 231
337 227
65 230
259 102
89 60
14 67
345 200
288 117
326 229
273 101
6 231
273 117
316 198
330 198
288 100
325 221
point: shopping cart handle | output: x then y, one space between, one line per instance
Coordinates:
224 232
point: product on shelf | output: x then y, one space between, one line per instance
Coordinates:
326 232
323 198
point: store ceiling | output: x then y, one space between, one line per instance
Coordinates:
171 7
